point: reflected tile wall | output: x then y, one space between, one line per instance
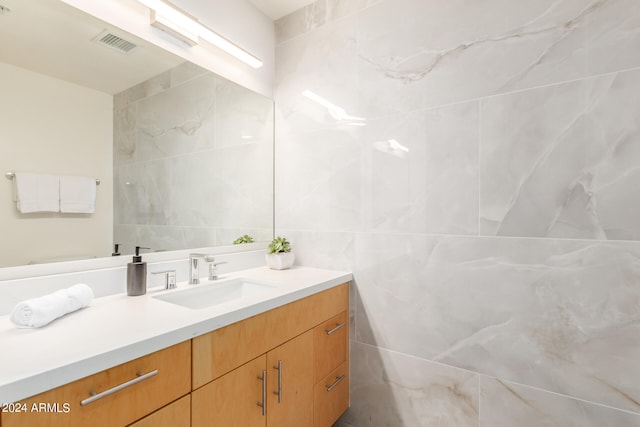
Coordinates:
487 234
124 134
242 116
179 120
164 237
141 191
219 188
170 237
188 148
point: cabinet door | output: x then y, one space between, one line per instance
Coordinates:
233 399
290 383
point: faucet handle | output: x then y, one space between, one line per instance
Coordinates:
169 278
213 264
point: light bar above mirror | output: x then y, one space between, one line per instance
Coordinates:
179 24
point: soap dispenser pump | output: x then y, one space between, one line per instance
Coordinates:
137 275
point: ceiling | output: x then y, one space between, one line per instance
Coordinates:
276 9
52 38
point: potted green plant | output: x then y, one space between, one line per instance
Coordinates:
279 255
243 239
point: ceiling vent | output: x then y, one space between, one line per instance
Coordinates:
114 42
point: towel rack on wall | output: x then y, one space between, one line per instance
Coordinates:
11 175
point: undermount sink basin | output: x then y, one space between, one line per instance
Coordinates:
208 295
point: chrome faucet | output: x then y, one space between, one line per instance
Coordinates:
194 272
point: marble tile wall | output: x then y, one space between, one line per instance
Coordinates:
476 165
192 162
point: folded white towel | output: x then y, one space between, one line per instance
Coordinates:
37 312
36 192
77 194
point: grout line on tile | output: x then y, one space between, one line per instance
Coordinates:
555 393
472 236
479 160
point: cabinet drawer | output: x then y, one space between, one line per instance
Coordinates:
331 397
330 345
224 349
123 394
176 414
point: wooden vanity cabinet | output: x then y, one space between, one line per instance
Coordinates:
285 367
331 370
239 369
115 397
274 389
176 414
331 397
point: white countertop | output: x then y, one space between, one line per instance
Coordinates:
119 328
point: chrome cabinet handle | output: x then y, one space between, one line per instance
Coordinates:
96 396
262 404
279 392
338 326
338 381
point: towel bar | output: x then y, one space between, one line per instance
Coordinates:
11 175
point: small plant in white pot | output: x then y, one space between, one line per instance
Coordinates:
279 255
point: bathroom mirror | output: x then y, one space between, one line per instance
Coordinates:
184 156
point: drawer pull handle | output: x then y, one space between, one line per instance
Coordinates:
262 404
95 396
338 381
279 392
338 327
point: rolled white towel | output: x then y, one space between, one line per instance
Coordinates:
37 312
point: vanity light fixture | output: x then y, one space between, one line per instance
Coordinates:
224 44
177 23
174 27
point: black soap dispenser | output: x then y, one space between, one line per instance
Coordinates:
137 275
